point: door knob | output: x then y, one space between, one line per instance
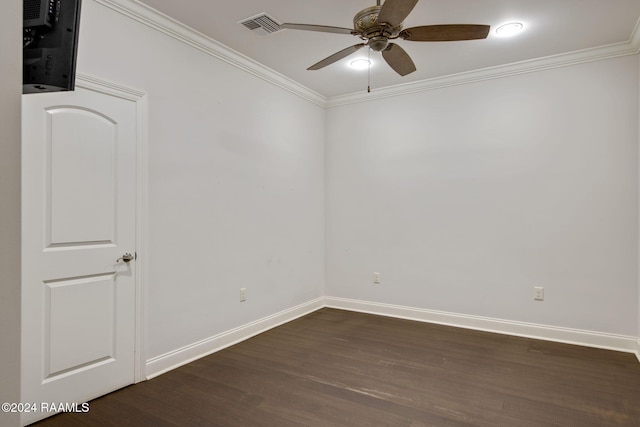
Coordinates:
126 257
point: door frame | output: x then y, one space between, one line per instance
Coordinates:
140 99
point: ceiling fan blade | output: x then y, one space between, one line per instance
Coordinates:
445 33
321 28
336 56
393 12
398 59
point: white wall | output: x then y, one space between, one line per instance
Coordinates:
236 178
470 197
10 93
466 197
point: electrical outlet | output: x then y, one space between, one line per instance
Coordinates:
243 294
538 293
376 278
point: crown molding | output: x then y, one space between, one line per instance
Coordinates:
630 47
158 21
152 18
634 39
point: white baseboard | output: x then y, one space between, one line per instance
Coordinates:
168 361
622 343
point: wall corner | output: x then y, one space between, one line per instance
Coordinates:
10 211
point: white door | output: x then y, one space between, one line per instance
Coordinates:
79 220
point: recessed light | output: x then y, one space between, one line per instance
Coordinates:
510 29
360 64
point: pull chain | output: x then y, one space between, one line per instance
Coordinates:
369 71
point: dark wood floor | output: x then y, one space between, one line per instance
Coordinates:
338 368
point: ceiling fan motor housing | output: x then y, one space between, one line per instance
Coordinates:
366 24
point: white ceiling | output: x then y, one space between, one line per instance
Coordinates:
551 27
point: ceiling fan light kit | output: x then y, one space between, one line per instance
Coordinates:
378 25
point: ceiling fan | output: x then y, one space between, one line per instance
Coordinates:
377 25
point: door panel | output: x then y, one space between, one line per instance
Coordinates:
86 307
81 166
79 217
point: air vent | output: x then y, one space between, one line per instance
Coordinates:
262 24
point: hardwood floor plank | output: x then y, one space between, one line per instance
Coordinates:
340 368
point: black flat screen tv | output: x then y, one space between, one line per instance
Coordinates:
50 45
